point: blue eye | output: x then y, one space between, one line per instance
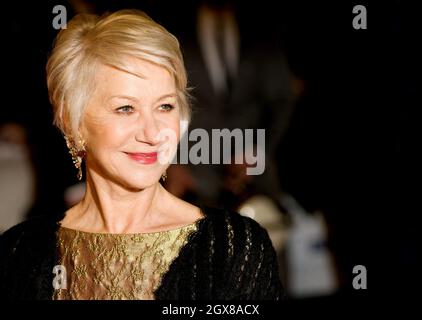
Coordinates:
125 109
166 107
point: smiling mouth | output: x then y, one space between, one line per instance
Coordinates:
143 157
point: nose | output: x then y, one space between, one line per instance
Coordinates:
147 130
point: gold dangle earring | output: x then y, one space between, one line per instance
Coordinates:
164 176
77 154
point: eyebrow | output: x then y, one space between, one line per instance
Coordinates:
134 99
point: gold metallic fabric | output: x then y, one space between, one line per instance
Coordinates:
117 266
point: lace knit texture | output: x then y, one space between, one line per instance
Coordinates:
226 257
116 266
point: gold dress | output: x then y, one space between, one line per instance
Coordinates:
117 266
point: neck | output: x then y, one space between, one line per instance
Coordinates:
109 207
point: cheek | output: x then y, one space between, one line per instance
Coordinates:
169 133
172 124
108 134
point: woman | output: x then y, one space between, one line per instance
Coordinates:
117 84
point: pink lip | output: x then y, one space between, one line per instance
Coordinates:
143 157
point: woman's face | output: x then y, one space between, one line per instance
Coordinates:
130 123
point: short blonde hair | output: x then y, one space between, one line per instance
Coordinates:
89 40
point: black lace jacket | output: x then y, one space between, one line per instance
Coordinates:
228 257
